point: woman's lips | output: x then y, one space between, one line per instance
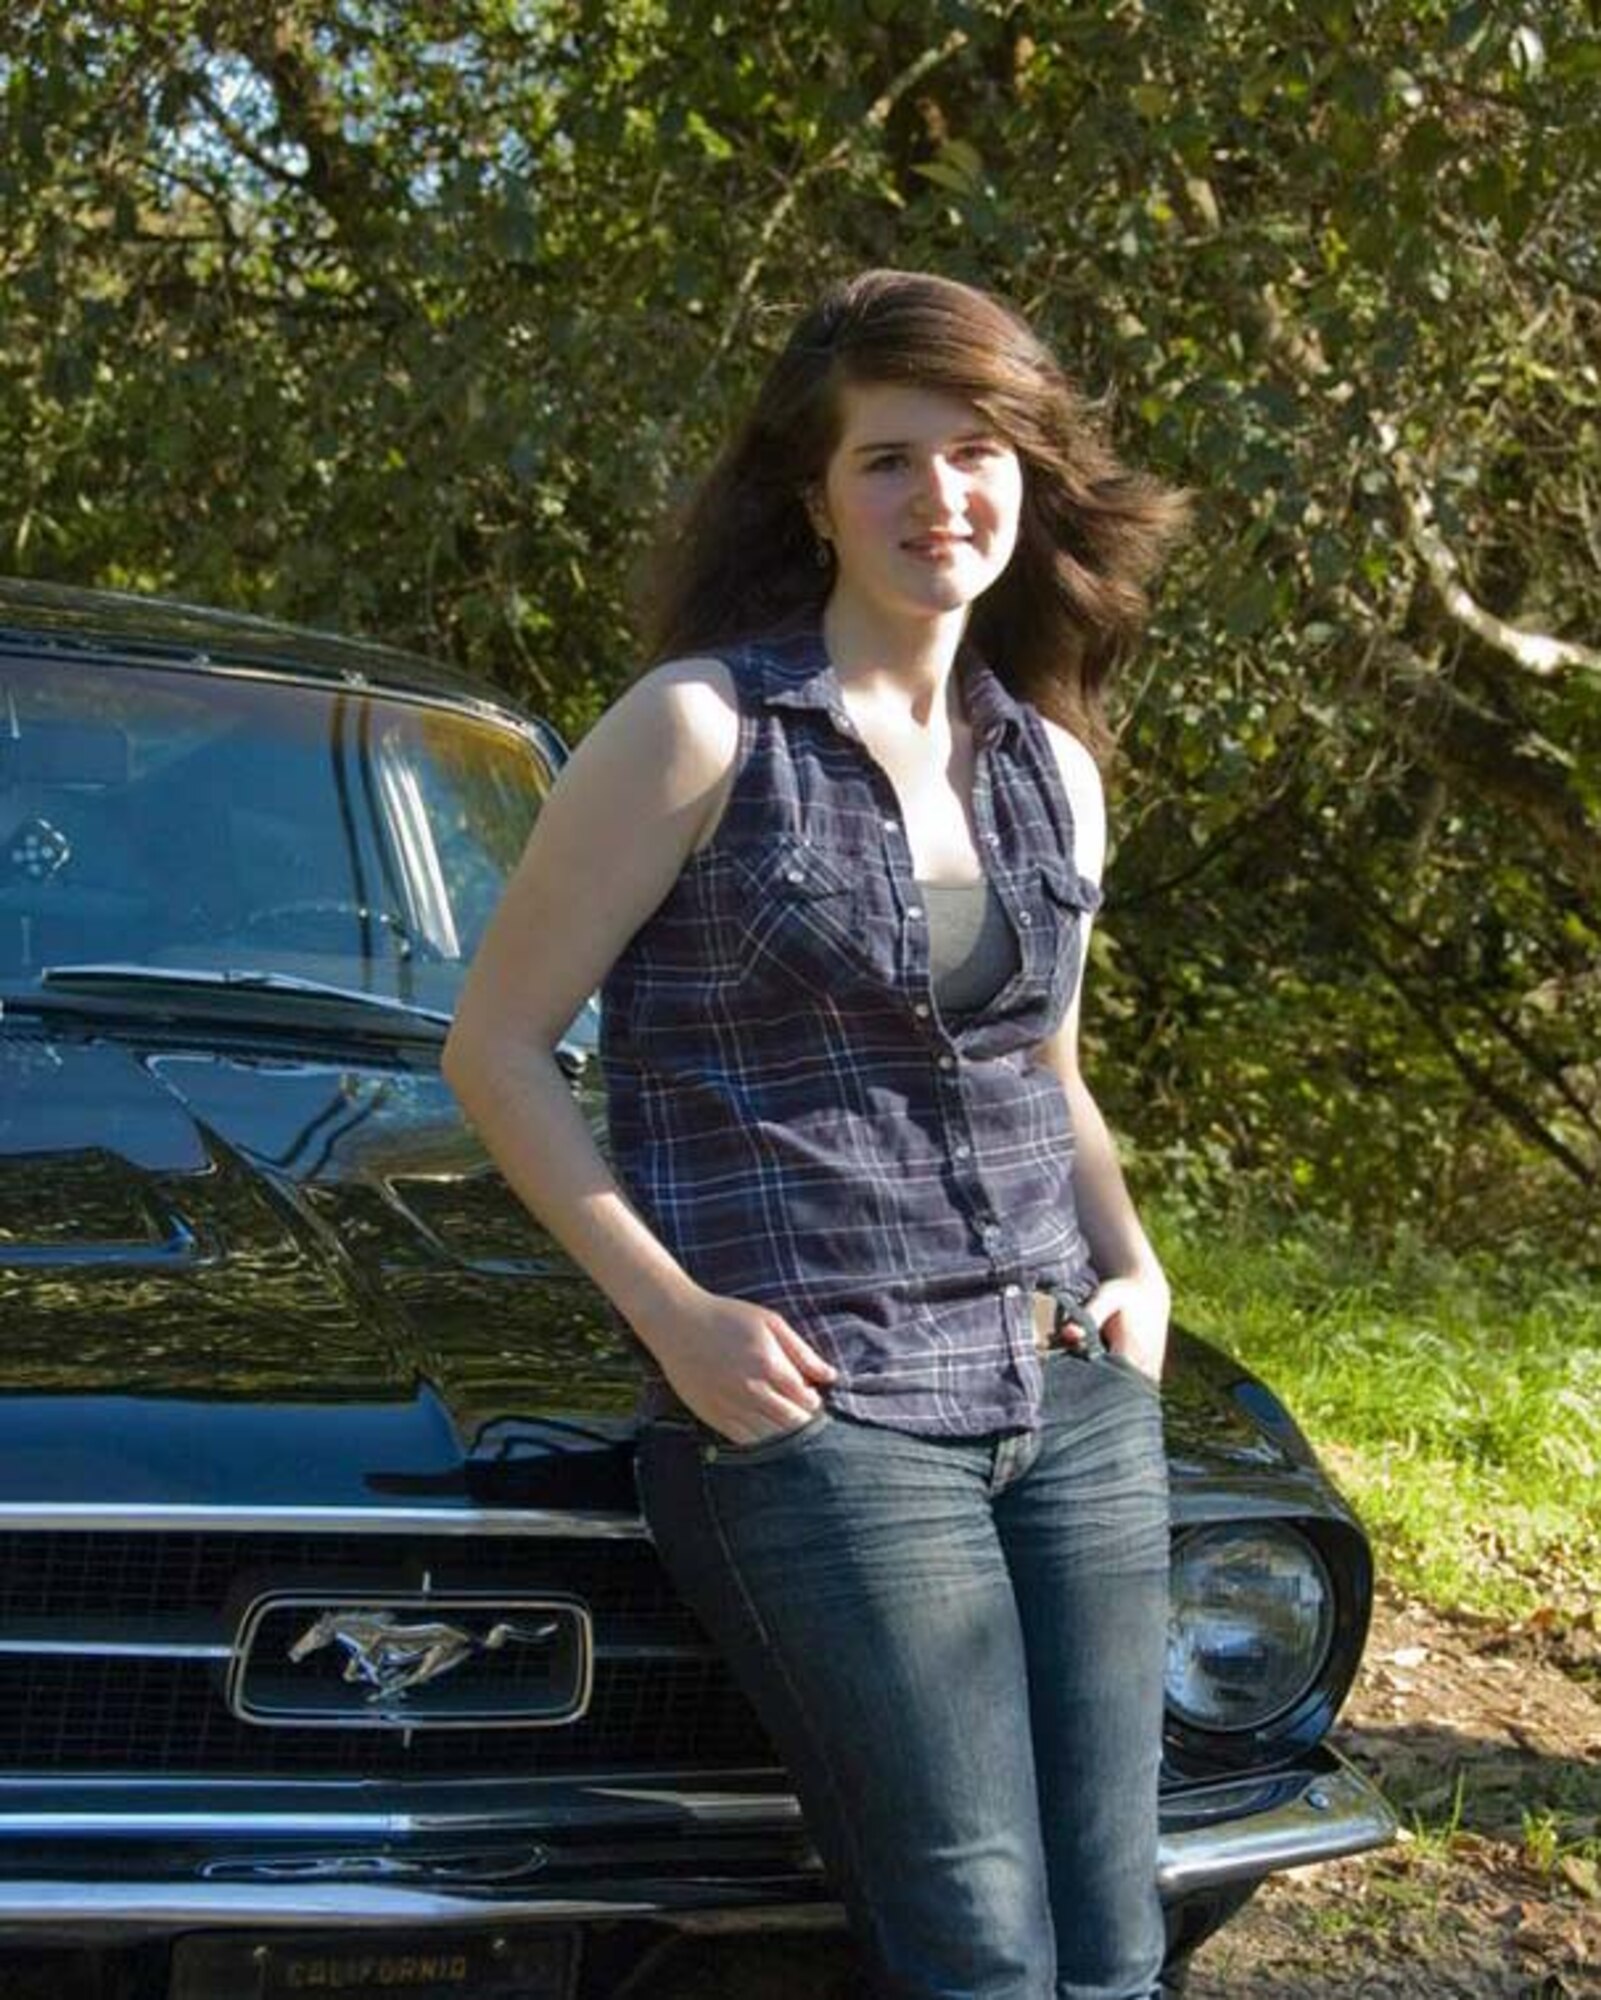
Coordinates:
935 545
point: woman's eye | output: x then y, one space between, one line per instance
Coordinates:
886 461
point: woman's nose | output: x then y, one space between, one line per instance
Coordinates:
940 490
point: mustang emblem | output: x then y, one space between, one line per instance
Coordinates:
389 1656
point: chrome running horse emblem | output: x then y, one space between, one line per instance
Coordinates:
390 1657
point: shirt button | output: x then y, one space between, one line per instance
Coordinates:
962 1150
921 1009
891 826
1011 1291
992 840
913 912
947 1062
1024 918
794 875
991 1232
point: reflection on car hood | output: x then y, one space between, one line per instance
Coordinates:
321 1255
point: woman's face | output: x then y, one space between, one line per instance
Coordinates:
920 500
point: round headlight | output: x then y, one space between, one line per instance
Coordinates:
1250 1618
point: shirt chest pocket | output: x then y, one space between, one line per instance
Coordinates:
1064 903
804 918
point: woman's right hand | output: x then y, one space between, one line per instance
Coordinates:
741 1368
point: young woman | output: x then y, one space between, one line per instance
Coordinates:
833 861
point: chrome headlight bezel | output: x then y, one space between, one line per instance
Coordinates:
1261 1581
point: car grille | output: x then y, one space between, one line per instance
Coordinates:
114 1657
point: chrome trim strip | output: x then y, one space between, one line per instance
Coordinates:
1315 1818
34 645
223 1825
111 1649
43 1644
146 1517
182 1906
88 1635
1216 1834
276 1809
622 1781
778 1813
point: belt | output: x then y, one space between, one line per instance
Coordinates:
1058 1324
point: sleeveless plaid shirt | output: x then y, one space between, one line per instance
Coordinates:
787 1109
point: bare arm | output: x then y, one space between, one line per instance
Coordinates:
1133 1301
625 814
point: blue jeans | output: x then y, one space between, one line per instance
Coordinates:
957 1647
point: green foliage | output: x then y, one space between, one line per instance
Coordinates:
411 318
1458 1398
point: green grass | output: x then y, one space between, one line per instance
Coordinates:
1458 1404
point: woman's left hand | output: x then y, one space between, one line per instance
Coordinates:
1132 1315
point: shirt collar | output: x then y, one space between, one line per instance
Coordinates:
795 672
993 711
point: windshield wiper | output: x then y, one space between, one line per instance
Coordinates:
111 979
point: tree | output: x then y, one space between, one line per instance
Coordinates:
410 317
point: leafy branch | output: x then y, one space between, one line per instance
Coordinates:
1534 652
873 119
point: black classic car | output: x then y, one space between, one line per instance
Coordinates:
333 1655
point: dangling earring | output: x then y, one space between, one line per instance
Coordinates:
822 552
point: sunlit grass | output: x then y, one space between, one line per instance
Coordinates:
1459 1408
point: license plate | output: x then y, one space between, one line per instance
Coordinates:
420 1965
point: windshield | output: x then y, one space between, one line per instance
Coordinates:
199 820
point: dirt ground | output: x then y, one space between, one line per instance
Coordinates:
1487 1739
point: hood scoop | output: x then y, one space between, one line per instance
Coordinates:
79 1212
70 1200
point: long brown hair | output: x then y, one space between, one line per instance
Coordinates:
740 558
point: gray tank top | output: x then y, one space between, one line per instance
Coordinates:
971 949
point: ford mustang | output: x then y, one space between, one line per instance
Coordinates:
333 1653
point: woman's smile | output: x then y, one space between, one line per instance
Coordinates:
936 547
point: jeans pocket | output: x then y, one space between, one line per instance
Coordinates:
1119 1364
723 1451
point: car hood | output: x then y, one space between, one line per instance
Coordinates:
248 1279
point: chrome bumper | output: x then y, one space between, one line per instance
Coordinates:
1253 1826
1211 1836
